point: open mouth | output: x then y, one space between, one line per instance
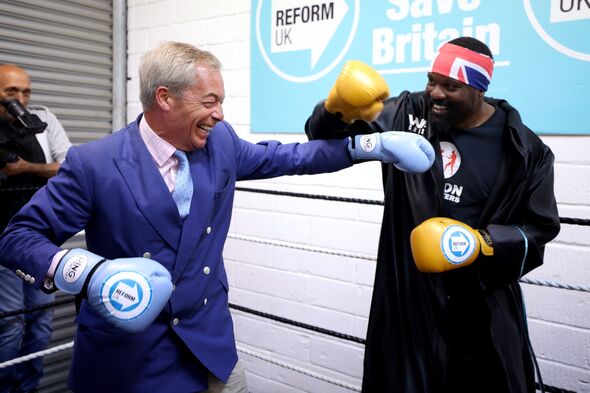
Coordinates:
440 108
204 130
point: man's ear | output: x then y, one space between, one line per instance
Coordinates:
163 98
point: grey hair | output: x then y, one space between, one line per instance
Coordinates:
171 64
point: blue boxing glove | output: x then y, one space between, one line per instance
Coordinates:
127 292
407 151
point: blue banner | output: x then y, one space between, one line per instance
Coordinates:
541 50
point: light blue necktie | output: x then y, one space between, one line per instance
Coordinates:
183 189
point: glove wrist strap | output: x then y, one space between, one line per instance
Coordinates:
487 245
73 270
366 147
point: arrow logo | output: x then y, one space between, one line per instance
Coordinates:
459 243
127 296
305 25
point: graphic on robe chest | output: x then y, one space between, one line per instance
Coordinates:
451 158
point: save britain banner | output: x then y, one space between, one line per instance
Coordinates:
541 50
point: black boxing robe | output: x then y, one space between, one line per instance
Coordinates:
408 337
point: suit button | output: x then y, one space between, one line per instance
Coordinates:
206 270
32 280
173 286
208 230
175 321
147 255
27 277
205 302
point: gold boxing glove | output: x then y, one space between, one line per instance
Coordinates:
358 93
440 244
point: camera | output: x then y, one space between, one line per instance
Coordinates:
25 123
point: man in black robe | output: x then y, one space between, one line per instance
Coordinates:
462 328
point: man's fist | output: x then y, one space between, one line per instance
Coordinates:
358 93
128 292
440 244
409 152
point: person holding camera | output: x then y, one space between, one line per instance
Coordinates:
30 153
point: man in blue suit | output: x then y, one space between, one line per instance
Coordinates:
154 313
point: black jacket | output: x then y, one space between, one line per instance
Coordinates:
414 316
16 191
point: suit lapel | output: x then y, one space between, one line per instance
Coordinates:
148 188
153 199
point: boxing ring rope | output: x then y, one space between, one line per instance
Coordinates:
300 370
563 220
532 281
241 349
49 351
249 352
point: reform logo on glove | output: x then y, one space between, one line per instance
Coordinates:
368 142
126 294
457 244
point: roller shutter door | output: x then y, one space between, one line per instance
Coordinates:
67 48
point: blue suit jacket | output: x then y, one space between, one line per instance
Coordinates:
113 189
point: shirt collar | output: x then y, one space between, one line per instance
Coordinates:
160 150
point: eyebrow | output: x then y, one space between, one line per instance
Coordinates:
214 95
16 88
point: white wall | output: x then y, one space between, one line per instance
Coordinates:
334 292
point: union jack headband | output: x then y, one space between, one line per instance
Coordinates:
467 66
